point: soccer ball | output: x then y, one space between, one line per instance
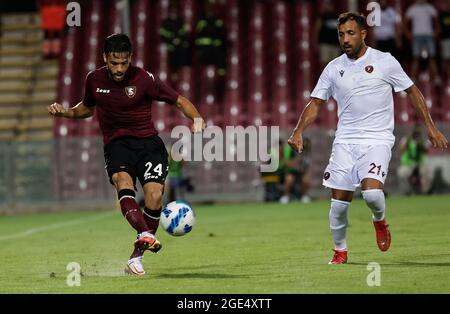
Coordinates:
177 218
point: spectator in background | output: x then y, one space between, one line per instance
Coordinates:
423 18
294 172
272 180
210 39
413 174
444 19
53 22
174 32
325 30
388 33
176 182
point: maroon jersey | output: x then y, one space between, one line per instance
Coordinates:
124 108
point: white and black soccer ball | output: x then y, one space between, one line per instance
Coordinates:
177 218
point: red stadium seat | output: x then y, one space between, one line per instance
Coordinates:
306 65
140 32
258 102
69 81
233 109
189 10
162 113
429 92
115 17
446 102
209 103
328 118
403 109
281 82
92 58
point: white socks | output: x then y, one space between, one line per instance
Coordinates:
338 223
376 202
339 215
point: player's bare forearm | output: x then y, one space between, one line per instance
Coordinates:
80 111
418 102
308 116
436 137
189 110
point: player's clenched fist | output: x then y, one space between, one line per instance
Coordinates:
437 139
57 110
296 142
198 126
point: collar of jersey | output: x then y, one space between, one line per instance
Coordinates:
361 59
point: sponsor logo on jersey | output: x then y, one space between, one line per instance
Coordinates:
130 91
369 69
102 91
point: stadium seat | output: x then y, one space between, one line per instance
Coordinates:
70 80
403 109
209 103
92 58
258 102
140 32
328 117
430 93
446 102
305 67
162 113
115 17
281 82
233 108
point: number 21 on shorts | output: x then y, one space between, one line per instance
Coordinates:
376 169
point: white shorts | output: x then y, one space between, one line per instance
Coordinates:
351 163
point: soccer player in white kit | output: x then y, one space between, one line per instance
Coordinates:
361 81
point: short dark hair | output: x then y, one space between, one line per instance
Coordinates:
117 43
359 18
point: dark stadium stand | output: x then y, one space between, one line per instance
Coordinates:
271 68
269 76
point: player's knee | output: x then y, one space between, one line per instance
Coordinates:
122 180
338 214
373 198
153 199
338 209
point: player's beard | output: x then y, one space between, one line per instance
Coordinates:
353 54
114 76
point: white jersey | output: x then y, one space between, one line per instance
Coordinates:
362 89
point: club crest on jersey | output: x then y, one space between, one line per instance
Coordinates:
369 69
341 72
130 91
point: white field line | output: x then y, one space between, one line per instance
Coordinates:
56 226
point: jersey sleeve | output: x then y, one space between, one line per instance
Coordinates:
323 89
395 75
88 99
160 91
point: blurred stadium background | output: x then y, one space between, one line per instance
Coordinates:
271 67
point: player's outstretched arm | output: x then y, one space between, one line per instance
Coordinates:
437 139
189 110
79 111
308 116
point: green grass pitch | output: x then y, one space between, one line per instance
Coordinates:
248 248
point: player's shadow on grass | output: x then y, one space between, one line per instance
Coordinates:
199 276
414 264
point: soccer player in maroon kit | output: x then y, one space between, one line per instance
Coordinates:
122 95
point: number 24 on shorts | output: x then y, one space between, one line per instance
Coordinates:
157 170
